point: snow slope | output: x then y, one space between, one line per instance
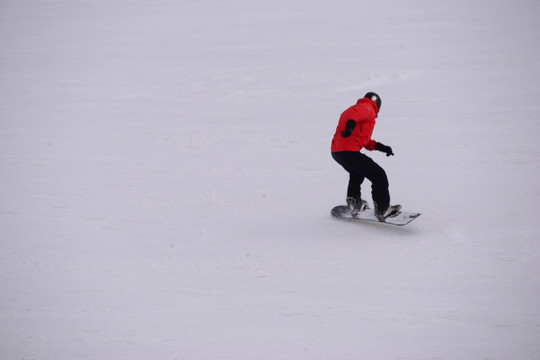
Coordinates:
166 180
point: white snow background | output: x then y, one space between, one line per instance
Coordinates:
166 180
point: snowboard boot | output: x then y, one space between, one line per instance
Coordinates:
355 209
393 210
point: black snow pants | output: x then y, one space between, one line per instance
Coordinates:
359 167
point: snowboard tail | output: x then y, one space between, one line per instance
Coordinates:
343 212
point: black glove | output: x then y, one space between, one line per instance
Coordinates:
384 149
349 128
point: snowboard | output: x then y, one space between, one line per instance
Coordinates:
344 213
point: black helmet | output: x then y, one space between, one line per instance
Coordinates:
376 98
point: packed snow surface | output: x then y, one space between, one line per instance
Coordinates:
166 180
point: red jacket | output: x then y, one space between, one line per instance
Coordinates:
363 114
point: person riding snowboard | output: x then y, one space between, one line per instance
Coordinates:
353 133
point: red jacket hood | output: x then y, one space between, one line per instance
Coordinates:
368 101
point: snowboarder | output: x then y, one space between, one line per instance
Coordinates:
353 133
